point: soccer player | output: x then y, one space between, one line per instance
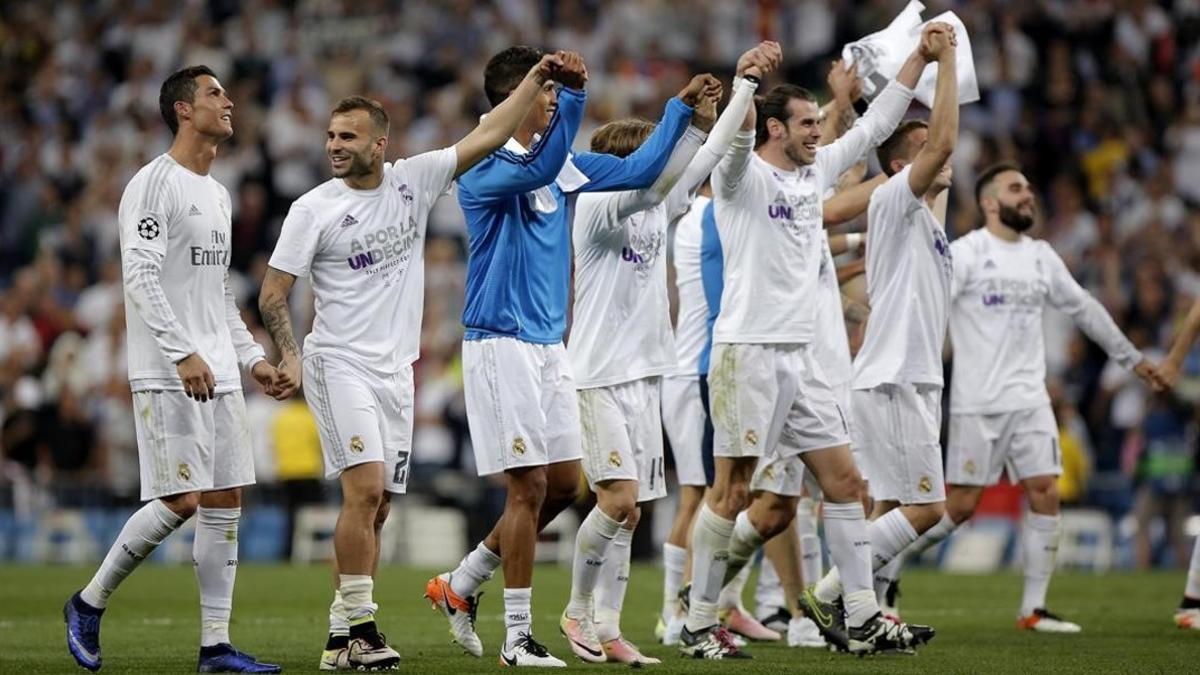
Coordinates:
897 381
1000 414
621 344
359 237
522 408
767 393
1188 613
185 340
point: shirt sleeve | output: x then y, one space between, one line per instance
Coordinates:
249 352
670 178
961 259
607 173
889 208
147 209
1089 315
142 271
297 242
431 173
869 131
505 173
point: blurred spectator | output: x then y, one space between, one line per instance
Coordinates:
1164 454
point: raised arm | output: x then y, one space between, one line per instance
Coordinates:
273 306
943 122
851 202
885 112
838 116
751 66
638 170
504 174
499 125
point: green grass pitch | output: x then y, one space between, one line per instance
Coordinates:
152 625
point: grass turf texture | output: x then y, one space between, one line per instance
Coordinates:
152 625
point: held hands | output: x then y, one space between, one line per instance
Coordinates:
571 72
700 87
264 374
704 117
1160 378
938 41
546 69
287 378
844 82
197 378
761 60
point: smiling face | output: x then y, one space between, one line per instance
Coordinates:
800 135
1010 199
354 146
211 112
543 108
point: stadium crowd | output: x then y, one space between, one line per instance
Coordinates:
1098 100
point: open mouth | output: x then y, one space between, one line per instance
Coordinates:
339 162
811 146
227 117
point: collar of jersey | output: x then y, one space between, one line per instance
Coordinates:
798 173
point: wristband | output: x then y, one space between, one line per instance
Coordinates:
853 240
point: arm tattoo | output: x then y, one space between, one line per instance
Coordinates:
845 120
278 322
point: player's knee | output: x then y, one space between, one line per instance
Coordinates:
562 492
183 505
843 486
928 515
1043 496
775 519
634 517
737 498
381 514
527 491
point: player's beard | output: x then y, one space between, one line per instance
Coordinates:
360 165
1014 219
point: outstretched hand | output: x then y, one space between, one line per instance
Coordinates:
936 40
698 88
572 73
546 69
844 82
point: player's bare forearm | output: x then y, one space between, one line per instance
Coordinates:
1186 338
277 318
851 202
850 270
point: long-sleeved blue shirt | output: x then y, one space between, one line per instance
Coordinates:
519 221
712 270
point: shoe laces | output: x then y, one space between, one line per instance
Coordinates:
725 638
375 639
89 626
526 642
473 607
1047 614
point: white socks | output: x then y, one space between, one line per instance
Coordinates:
610 592
592 542
890 534
1192 589
143 532
476 567
356 590
744 543
517 614
885 575
339 623
674 562
215 555
768 594
811 565
1040 548
710 549
850 547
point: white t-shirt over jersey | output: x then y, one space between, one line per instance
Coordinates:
771 224
180 220
831 345
909 274
364 252
691 323
1001 289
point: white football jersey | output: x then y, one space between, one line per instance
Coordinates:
621 322
364 251
691 323
909 274
831 345
169 211
1001 289
771 225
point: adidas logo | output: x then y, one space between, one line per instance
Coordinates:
348 221
194 211
989 265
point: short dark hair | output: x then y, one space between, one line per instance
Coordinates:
180 86
505 70
988 175
775 104
379 116
898 145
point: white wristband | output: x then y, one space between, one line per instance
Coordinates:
853 240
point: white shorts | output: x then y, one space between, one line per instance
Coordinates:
1023 441
844 399
759 391
362 417
185 445
521 404
683 418
896 430
622 436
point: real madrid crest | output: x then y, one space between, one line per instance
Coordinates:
185 473
925 485
751 437
518 446
614 459
356 444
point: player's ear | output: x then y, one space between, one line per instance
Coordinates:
183 111
774 128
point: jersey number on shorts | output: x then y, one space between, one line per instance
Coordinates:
400 476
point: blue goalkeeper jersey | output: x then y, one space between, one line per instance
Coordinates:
518 211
